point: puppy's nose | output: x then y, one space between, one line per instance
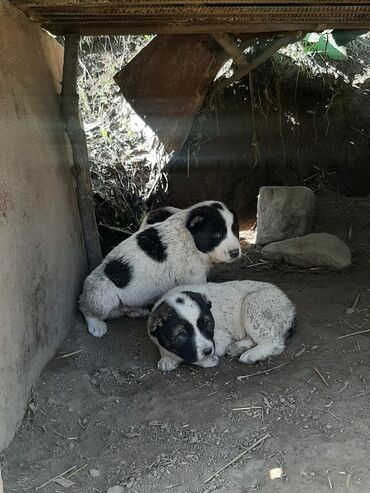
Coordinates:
207 351
234 253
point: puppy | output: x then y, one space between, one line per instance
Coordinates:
198 324
158 216
180 250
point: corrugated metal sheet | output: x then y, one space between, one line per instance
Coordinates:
194 16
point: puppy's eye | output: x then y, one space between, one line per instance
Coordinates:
182 333
217 235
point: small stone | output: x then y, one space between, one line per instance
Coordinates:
116 489
276 473
349 311
314 250
95 473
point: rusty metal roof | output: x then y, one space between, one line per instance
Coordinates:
91 17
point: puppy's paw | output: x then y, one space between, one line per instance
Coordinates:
209 362
167 364
234 350
138 313
248 359
96 328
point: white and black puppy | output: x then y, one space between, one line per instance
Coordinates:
179 250
198 324
158 216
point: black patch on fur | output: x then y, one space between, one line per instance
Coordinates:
292 328
175 333
217 205
119 272
200 299
179 300
207 227
205 322
158 216
150 242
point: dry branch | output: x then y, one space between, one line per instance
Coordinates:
77 139
273 47
238 457
226 41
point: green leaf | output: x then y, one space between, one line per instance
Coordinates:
326 45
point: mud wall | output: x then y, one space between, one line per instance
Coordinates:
283 127
42 260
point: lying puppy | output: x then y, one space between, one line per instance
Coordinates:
180 250
158 216
198 324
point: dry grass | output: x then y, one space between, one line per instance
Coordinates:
126 159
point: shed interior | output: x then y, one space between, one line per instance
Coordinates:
99 415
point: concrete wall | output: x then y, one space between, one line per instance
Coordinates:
42 259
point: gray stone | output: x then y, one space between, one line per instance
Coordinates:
284 212
314 250
116 489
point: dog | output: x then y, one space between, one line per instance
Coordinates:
199 324
158 216
179 250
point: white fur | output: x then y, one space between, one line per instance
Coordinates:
185 264
251 319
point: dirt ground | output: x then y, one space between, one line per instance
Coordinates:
109 417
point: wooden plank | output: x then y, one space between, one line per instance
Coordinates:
76 135
88 3
168 95
121 29
204 11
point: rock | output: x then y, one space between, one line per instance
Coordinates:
95 473
314 250
284 212
116 489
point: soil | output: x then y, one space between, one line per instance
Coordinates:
107 413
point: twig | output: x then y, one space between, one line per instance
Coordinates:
228 43
242 377
272 48
116 377
321 377
67 355
246 408
63 436
346 321
354 333
329 412
355 303
238 457
55 477
330 483
77 471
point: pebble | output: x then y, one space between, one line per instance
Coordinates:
115 489
95 473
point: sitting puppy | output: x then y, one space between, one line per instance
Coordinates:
180 250
197 324
158 216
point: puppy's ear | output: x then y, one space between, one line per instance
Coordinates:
195 221
157 319
196 217
199 298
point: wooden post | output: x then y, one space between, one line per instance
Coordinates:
77 139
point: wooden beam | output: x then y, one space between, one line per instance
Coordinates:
229 45
272 48
77 138
114 29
